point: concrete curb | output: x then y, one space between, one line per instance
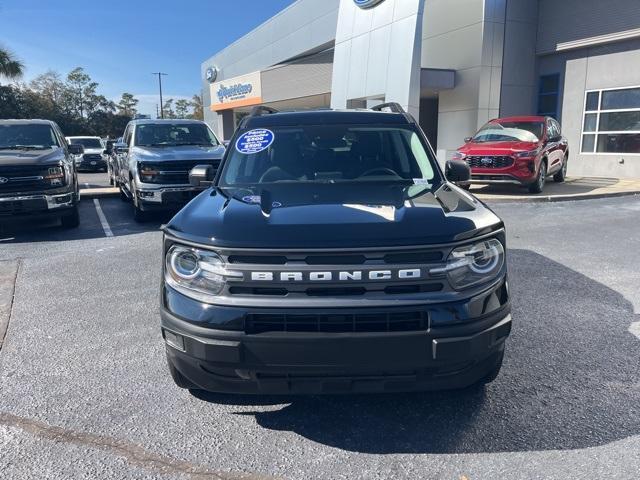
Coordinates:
103 192
554 198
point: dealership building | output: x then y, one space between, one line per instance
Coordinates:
453 64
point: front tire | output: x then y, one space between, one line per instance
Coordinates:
541 179
72 220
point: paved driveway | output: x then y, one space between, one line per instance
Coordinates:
84 391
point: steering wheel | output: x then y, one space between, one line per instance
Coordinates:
383 170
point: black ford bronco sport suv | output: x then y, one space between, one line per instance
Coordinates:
38 176
332 255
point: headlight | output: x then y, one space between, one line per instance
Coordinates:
55 176
147 173
530 153
459 156
473 264
198 274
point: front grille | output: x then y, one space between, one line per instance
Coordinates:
23 179
326 276
174 172
91 157
409 321
489 161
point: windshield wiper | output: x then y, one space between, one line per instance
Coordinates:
199 144
24 147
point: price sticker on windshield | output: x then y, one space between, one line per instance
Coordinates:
255 141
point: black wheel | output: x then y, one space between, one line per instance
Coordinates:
72 220
178 378
541 179
111 182
562 174
139 215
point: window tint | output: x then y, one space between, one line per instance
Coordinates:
621 99
548 93
165 134
593 101
34 135
86 142
333 154
510 132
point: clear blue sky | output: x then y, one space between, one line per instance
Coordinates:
120 42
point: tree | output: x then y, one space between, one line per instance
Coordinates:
127 105
168 109
10 66
198 109
81 90
182 108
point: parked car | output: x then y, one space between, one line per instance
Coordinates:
155 159
112 159
331 254
517 150
37 172
94 158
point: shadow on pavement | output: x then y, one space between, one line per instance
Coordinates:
118 214
573 186
571 379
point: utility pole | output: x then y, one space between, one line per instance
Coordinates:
160 75
157 111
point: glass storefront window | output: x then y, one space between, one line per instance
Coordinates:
611 123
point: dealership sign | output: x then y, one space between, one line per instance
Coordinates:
211 74
236 92
367 3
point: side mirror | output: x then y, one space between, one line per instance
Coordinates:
201 175
457 171
121 147
467 139
76 149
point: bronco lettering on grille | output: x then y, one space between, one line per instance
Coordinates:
339 276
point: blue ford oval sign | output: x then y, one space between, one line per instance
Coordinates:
211 74
367 3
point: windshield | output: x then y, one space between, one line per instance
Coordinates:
328 154
86 142
165 135
510 132
27 136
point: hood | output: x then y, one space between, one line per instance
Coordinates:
31 157
93 151
497 148
184 152
365 217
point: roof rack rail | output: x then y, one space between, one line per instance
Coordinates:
260 110
392 106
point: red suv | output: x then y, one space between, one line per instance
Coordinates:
517 150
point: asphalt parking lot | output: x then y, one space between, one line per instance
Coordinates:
85 393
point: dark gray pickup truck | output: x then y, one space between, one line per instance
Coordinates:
37 172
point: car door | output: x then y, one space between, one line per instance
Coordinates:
554 152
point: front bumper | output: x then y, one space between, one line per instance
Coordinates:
440 357
152 197
36 204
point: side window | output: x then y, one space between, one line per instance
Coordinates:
127 136
550 132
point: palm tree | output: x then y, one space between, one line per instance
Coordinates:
10 66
